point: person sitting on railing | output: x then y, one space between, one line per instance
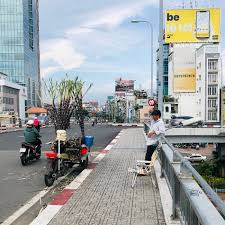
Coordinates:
156 129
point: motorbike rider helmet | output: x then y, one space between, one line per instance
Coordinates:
30 123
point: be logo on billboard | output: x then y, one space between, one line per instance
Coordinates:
192 26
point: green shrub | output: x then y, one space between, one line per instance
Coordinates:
215 182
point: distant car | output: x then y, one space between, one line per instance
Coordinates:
196 158
177 120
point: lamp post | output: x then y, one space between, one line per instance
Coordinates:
160 68
151 28
222 94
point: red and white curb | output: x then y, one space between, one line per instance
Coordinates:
61 199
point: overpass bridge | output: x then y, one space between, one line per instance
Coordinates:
196 135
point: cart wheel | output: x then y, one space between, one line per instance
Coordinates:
49 180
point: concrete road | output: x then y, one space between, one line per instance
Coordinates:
18 184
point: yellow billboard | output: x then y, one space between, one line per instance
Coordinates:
192 25
184 72
185 80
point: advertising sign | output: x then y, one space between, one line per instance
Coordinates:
192 26
124 85
184 77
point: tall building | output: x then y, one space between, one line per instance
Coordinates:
208 72
195 81
19 45
165 70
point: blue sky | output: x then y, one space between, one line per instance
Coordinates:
94 39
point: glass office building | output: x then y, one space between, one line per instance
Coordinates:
165 84
19 45
165 69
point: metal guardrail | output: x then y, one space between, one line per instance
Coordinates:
194 201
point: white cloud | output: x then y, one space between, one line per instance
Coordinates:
111 17
62 54
45 71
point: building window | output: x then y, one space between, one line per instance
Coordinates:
213 77
212 90
212 116
174 109
199 77
167 109
213 64
8 101
212 103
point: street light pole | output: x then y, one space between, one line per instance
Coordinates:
222 94
152 53
160 76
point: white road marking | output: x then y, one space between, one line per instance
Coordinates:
23 209
99 158
79 179
30 203
46 215
114 141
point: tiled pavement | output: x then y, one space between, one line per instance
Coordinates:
106 196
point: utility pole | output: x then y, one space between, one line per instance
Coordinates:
161 40
222 95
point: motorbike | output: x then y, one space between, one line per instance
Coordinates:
72 152
29 153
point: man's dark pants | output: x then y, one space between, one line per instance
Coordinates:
150 151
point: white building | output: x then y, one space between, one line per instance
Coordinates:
194 81
209 83
13 98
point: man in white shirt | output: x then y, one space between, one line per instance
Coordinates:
157 128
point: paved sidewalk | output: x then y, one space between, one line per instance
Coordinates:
106 196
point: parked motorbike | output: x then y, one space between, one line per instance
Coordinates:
71 152
29 152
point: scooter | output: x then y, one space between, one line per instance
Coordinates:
29 152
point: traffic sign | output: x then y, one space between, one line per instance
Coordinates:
151 102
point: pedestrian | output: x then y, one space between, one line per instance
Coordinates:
156 129
36 124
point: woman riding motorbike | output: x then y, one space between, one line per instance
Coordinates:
37 124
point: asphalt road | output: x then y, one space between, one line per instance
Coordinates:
18 184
